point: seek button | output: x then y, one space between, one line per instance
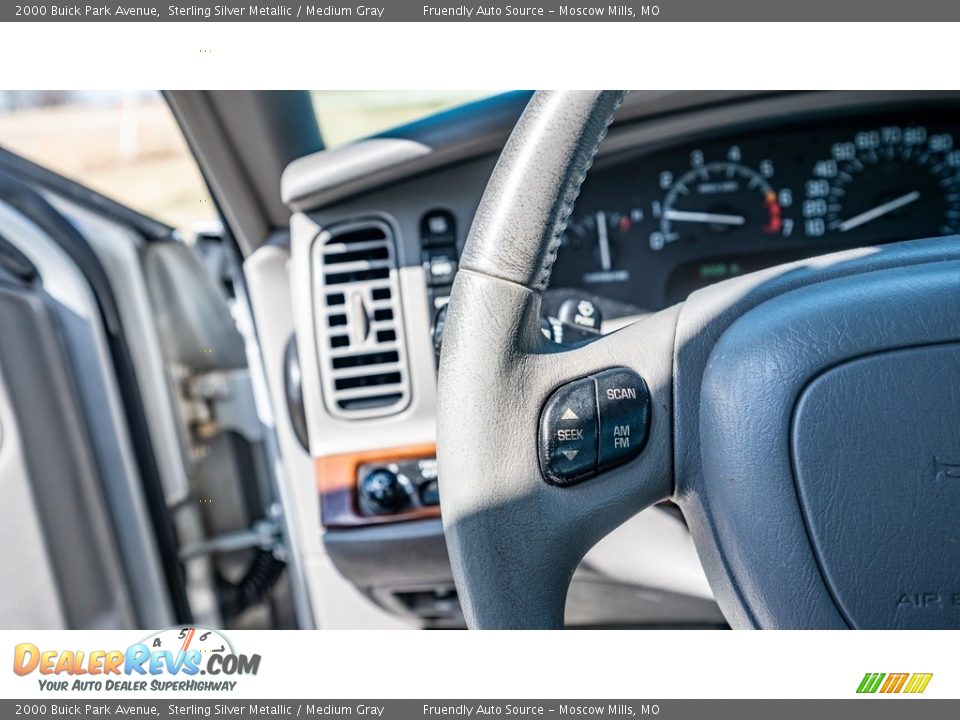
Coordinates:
568 434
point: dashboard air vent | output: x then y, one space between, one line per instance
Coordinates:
359 325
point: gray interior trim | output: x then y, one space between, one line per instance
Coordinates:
333 435
191 316
242 141
310 181
221 166
334 602
118 250
476 129
256 353
30 597
411 554
466 132
267 129
85 341
101 459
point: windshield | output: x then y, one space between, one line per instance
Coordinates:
349 115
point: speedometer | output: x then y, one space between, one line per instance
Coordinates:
892 183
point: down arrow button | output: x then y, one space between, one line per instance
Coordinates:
568 434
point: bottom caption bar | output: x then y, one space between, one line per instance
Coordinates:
874 709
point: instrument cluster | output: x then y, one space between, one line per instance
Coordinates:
650 229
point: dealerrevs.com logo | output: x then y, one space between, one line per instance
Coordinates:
179 659
910 683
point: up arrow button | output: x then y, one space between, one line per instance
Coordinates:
569 434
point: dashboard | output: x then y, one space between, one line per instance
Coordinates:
688 189
650 228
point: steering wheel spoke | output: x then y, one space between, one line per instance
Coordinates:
515 537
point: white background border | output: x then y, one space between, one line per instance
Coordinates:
671 56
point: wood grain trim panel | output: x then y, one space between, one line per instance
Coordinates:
336 477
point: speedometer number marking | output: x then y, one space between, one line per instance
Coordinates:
890 183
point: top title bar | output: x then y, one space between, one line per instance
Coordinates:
495 11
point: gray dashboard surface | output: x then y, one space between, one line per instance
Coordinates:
445 139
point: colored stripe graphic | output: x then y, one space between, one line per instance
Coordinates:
894 683
918 682
870 682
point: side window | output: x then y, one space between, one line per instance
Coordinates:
125 145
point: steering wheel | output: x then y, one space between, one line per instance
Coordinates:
805 418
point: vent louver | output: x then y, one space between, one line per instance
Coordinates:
359 330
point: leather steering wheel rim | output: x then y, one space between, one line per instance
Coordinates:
512 527
780 532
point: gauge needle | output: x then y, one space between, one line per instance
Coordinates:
879 211
604 240
702 217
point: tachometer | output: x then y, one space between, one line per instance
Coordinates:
714 199
893 183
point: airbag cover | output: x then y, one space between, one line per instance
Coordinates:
876 447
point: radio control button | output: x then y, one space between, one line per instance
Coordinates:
624 421
568 434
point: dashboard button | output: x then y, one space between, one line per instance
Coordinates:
438 227
436 329
624 415
568 434
383 491
581 313
441 265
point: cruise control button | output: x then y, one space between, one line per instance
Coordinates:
624 404
568 434
582 314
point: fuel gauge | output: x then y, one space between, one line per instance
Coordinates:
597 239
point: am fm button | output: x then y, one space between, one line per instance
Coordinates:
624 419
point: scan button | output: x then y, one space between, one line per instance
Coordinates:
624 405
